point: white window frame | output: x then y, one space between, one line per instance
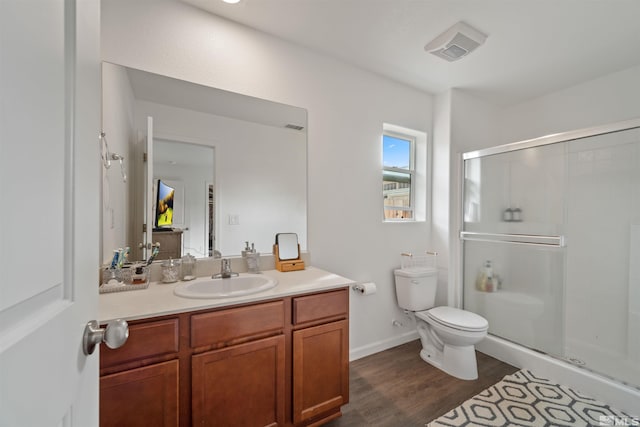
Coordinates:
412 176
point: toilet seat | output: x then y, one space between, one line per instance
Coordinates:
454 318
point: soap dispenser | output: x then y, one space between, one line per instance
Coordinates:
252 257
246 250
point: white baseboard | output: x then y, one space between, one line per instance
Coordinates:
369 349
616 394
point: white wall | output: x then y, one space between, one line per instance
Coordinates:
610 98
440 196
346 108
118 105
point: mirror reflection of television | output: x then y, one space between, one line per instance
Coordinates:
164 206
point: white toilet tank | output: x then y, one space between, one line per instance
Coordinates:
416 288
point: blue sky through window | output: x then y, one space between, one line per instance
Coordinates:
396 152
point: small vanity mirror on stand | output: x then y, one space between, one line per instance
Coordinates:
287 252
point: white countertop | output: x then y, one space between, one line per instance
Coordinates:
159 300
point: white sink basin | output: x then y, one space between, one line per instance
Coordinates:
244 284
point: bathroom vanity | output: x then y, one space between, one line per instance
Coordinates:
277 358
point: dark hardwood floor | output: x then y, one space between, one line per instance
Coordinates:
396 388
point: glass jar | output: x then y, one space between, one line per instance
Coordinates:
170 270
188 265
139 274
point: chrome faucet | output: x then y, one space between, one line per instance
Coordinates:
225 270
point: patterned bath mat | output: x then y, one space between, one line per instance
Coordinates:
522 399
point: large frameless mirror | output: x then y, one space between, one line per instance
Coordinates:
234 167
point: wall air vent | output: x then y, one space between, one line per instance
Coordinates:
295 127
457 42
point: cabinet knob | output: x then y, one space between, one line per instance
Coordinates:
114 335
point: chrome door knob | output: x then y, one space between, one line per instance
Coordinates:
114 335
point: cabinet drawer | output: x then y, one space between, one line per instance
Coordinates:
225 326
320 306
145 340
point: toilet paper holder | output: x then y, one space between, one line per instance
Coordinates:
364 288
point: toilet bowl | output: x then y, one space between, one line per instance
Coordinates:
448 335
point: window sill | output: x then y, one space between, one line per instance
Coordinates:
403 221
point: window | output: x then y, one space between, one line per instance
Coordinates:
398 176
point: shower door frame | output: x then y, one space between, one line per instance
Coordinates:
552 139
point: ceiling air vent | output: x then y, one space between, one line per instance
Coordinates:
295 127
457 42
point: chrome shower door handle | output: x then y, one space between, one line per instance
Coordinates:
114 335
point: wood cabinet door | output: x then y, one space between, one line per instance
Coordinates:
146 396
320 369
242 385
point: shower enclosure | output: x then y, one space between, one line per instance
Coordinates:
551 245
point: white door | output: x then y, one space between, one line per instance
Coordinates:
49 209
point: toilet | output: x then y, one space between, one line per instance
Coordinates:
448 334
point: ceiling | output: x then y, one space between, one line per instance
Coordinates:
533 47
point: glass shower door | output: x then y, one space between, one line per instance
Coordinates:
602 313
513 231
551 246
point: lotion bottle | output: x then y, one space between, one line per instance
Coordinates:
488 272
